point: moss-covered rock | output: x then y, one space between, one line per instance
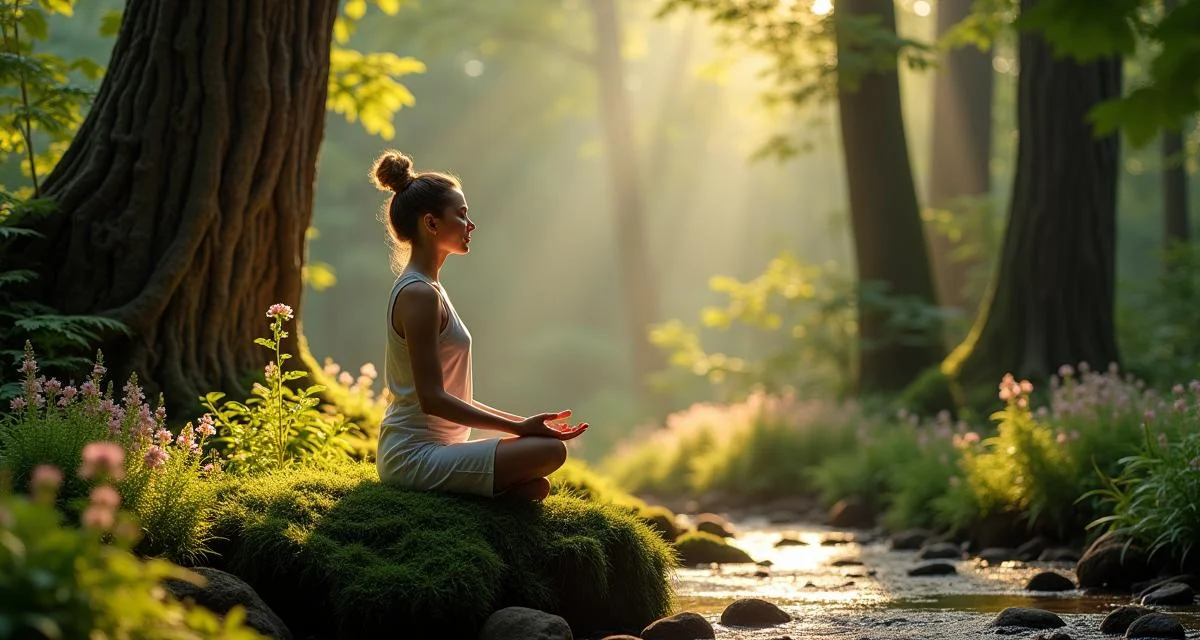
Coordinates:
698 547
576 479
661 520
336 554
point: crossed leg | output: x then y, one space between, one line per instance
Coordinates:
522 465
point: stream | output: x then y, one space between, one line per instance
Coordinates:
877 599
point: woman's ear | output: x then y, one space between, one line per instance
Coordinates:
430 222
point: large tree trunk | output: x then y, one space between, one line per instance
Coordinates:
1052 300
1176 223
962 149
184 199
637 276
889 241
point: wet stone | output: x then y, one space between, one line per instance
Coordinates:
1170 594
753 612
681 626
997 555
910 540
933 569
1028 619
1120 619
1155 625
1049 581
790 542
940 551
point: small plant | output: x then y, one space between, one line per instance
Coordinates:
163 480
59 581
1154 496
278 426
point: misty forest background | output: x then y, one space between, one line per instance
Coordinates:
515 101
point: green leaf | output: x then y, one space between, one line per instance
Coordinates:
355 9
65 7
110 23
390 7
33 22
266 342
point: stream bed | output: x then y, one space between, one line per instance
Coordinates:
831 596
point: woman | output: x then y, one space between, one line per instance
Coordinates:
423 437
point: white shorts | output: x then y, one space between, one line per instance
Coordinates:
459 467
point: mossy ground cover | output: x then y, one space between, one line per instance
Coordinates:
337 554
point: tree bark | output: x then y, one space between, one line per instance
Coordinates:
184 199
889 241
634 268
1053 297
962 149
1176 223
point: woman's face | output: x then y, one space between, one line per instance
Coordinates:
453 230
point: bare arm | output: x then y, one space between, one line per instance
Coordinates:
496 412
417 316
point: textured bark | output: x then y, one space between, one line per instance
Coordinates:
1053 297
1176 225
889 240
962 147
184 199
637 276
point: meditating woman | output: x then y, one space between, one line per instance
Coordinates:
423 439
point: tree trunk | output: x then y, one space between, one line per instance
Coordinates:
637 276
889 241
1052 300
962 149
1176 224
184 199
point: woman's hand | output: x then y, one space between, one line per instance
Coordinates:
549 425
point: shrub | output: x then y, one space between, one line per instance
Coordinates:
1154 496
82 582
760 447
56 424
278 426
336 553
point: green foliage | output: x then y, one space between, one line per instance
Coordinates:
60 581
759 447
39 97
337 553
1087 30
806 63
278 426
39 432
161 480
1153 499
1156 333
363 86
809 315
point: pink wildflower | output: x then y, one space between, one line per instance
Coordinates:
163 436
105 496
52 387
69 392
96 517
98 371
345 378
1149 415
39 400
16 404
1177 389
160 414
1061 438
156 456
270 370
63 401
89 389
29 365
1066 371
280 310
369 371
206 427
104 459
46 479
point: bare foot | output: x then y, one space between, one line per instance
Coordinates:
534 490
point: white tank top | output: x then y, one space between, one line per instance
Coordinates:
403 421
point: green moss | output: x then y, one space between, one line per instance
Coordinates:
930 393
339 555
698 547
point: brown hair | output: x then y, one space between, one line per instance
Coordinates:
413 194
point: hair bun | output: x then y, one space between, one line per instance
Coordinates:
393 172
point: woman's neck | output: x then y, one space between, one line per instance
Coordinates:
427 263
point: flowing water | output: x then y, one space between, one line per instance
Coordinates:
831 597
